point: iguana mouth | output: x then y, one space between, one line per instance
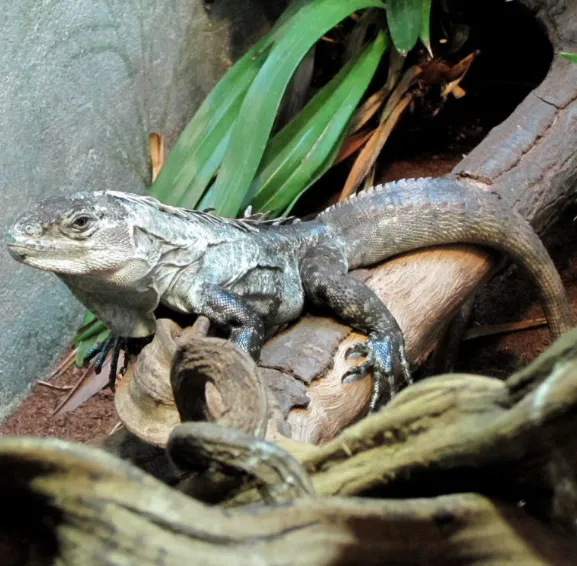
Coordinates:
22 251
18 248
18 251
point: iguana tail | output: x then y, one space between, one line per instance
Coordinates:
415 213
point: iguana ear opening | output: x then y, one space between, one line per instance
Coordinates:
143 242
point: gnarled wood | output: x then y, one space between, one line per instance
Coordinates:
90 508
462 432
436 441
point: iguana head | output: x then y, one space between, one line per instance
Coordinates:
81 234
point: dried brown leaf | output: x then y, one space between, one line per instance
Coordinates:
89 384
397 103
353 144
156 147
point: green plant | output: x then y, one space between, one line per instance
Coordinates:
571 56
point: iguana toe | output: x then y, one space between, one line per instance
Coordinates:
386 357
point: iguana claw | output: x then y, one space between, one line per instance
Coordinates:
386 357
111 343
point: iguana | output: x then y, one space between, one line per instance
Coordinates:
122 255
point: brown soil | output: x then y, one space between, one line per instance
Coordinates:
509 297
33 417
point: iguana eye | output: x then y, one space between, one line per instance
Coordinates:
81 222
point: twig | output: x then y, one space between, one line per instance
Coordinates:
493 329
66 364
52 386
115 428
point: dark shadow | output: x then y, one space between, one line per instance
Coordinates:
228 10
27 529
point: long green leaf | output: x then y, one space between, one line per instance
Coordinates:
286 151
426 25
571 56
322 170
255 120
198 153
298 155
405 23
201 137
204 162
89 332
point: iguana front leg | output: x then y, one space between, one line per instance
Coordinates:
229 309
325 280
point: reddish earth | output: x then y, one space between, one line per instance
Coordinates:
34 416
509 297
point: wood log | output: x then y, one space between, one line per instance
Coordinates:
432 445
459 433
70 504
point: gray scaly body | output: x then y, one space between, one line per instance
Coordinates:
122 255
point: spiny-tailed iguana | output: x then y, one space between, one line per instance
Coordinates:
122 254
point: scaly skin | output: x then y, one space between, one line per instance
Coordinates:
122 255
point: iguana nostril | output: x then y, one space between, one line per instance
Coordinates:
32 230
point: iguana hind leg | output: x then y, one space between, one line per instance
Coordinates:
325 280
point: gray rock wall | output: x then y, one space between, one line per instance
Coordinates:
83 85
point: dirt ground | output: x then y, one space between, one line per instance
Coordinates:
509 297
34 416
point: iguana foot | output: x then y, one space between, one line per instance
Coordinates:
385 356
114 345
111 343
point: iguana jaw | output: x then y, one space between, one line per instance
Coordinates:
22 252
60 255
34 253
